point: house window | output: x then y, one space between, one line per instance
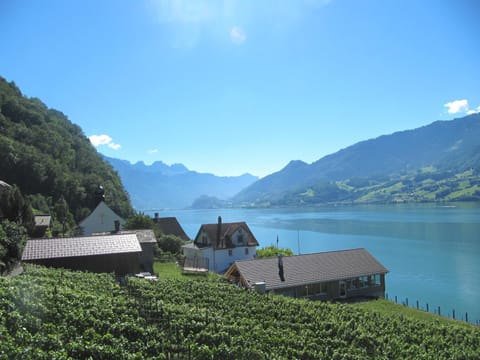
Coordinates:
230 252
246 251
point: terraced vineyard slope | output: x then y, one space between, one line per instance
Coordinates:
60 314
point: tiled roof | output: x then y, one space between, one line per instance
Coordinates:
309 268
227 230
190 245
80 246
171 226
144 236
3 184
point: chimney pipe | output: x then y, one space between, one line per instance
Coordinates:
219 232
117 225
280 267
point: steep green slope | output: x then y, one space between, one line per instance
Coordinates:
378 170
60 314
48 157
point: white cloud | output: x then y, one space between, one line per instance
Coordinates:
98 140
237 34
457 106
153 151
474 111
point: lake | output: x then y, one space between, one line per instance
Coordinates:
432 251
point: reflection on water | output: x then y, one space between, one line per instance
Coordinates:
431 251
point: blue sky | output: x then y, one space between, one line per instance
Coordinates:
230 87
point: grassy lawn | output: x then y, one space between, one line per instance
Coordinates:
170 270
388 308
167 270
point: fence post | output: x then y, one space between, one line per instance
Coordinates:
406 301
453 314
417 304
439 310
466 317
395 299
427 308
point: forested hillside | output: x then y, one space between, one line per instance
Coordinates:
48 157
59 314
438 162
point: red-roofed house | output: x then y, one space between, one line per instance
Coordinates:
221 244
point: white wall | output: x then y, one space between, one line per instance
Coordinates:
223 260
102 219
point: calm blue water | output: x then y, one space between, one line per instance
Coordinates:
432 251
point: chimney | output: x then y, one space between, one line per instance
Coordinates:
156 219
219 232
280 267
117 225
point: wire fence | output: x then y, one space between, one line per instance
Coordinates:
449 313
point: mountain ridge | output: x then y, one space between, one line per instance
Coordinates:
446 145
159 186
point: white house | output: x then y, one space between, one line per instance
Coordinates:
217 246
101 219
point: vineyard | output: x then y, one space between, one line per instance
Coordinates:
59 314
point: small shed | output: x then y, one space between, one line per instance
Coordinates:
343 274
107 253
147 241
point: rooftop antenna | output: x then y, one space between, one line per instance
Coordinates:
298 241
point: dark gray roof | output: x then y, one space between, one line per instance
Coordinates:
171 226
309 268
80 246
144 236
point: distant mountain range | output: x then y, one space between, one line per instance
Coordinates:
437 162
444 152
159 186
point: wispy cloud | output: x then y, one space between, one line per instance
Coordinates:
99 140
188 22
153 151
460 106
237 34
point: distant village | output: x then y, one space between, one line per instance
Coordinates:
227 248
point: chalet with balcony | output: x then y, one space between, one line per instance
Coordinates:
334 275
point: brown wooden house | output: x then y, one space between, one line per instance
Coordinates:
330 275
106 253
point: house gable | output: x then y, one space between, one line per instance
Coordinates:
101 219
230 235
